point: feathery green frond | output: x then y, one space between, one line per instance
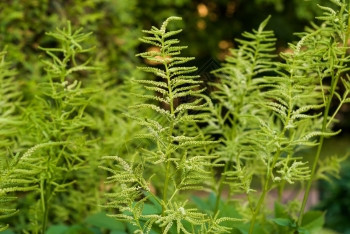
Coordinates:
179 152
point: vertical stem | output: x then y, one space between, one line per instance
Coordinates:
264 192
46 214
280 191
319 148
171 103
258 207
165 189
308 186
221 188
44 204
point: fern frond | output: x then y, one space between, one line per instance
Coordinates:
176 104
216 226
176 214
71 45
239 108
292 172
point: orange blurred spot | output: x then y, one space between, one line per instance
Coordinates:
151 62
288 51
202 10
224 45
153 48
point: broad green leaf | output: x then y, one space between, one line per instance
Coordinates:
78 229
212 201
313 220
258 229
154 202
201 204
118 232
57 229
101 220
280 211
150 209
283 222
8 231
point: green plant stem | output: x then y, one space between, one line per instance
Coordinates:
308 186
171 103
221 188
264 192
173 195
280 191
167 174
43 199
221 185
258 206
318 152
334 83
165 189
283 183
337 110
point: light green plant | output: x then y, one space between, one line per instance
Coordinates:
266 113
287 108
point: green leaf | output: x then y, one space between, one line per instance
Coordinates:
283 222
303 231
263 24
95 230
78 229
280 211
57 229
150 209
8 231
156 204
101 220
63 229
212 200
244 228
118 232
200 203
313 220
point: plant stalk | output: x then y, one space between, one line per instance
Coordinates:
264 192
171 103
221 188
258 207
43 198
318 152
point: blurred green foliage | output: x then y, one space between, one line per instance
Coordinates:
115 23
